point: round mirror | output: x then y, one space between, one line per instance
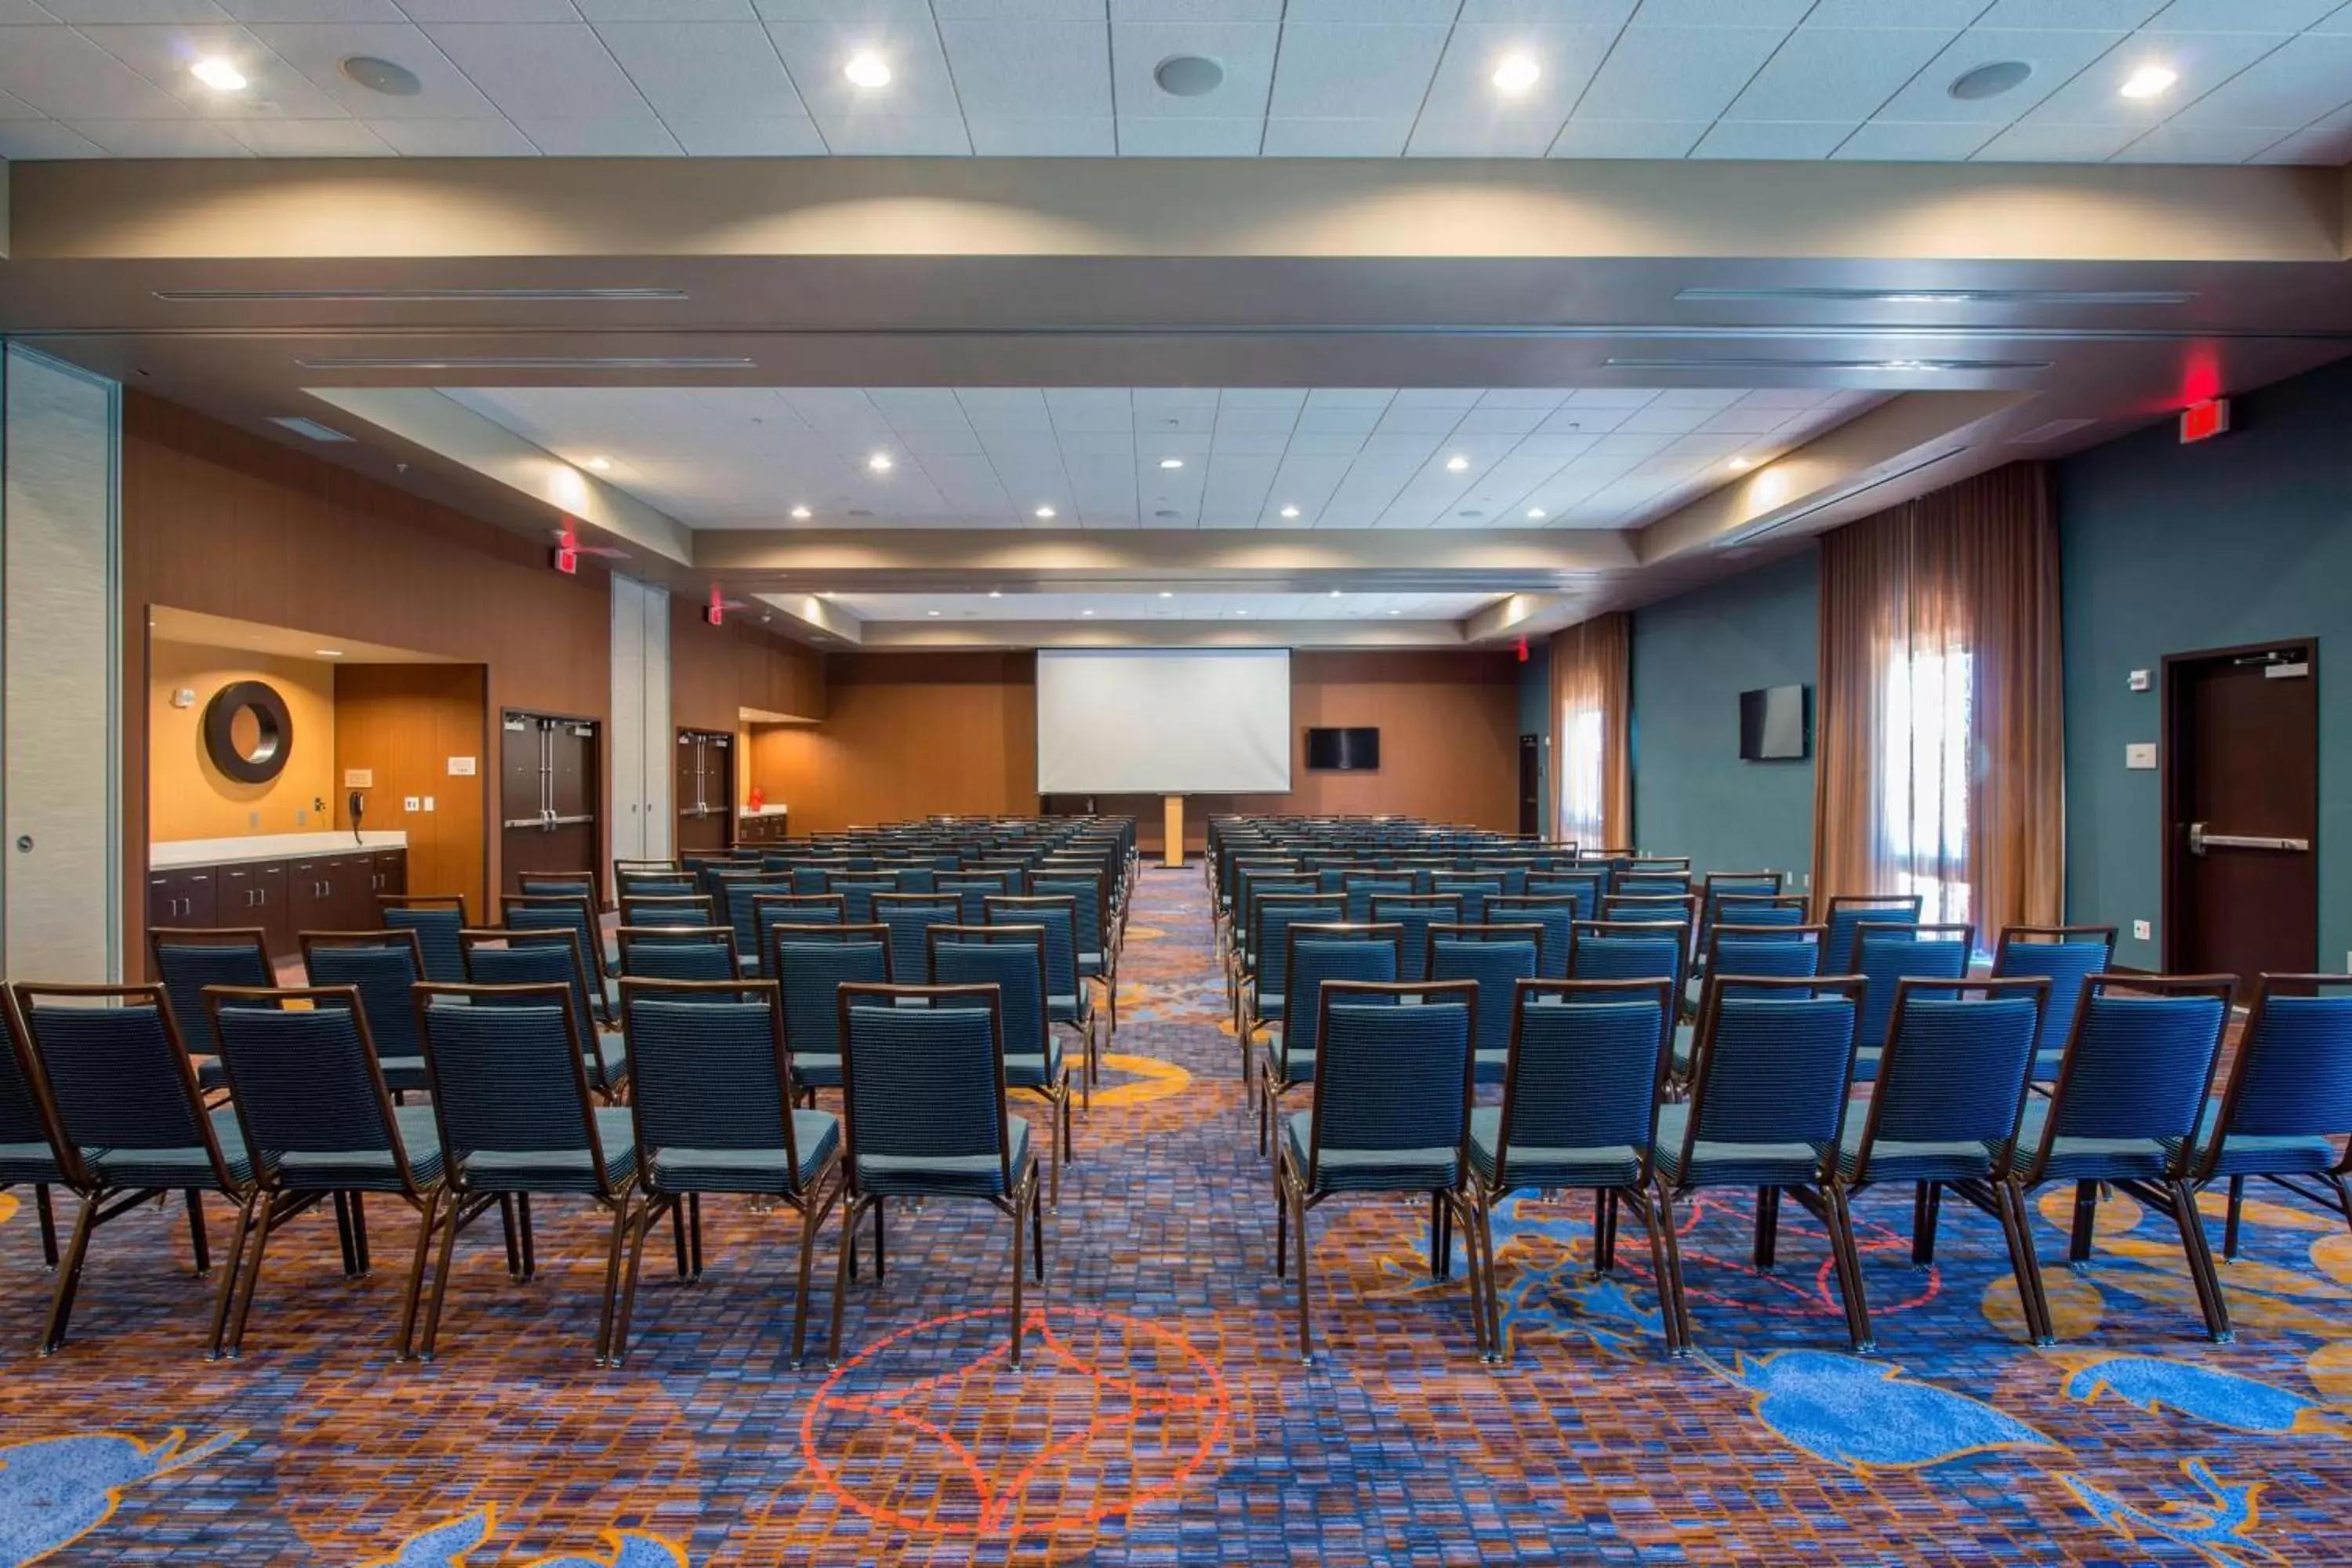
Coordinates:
248 734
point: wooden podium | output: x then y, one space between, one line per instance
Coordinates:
1172 852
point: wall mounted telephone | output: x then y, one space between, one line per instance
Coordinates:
358 809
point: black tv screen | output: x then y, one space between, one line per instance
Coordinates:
1342 750
1776 724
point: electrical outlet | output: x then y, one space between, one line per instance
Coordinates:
428 803
408 802
2143 930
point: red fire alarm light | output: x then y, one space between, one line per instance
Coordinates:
2203 421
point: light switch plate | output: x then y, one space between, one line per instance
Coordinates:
408 802
2141 681
2142 931
428 803
2139 754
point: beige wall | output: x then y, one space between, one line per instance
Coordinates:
187 797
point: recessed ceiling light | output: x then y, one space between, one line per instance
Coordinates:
930 611
1989 80
1396 612
1166 594
328 652
600 463
378 75
1334 592
1535 514
1944 296
1171 462
1517 73
866 68
1740 464
1085 612
1240 612
1188 75
218 74
801 513
1290 512
1045 511
995 593
880 462
1456 463
2149 81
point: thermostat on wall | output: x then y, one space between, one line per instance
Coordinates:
185 698
359 778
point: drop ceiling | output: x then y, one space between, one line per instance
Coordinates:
1165 458
1174 604
2258 80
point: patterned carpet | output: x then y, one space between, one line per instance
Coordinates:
1163 1417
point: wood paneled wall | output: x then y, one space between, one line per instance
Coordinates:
715 672
910 734
191 798
403 723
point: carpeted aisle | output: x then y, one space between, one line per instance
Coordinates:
1163 1417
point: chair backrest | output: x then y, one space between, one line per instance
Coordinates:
1058 913
1587 888
812 965
558 884
1317 952
117 1073
1393 1075
1494 959
666 884
381 968
1555 913
922 1072
971 890
1413 914
559 912
1654 885
772 911
1271 920
644 910
436 919
1958 1058
2292 1075
550 957
679 953
1886 954
24 1119
1361 886
1846 911
185 961
1584 1076
708 1069
1656 909
858 890
1085 892
743 914
1784 951
1757 910
304 1075
2066 956
1770 1064
1476 888
1627 949
1720 885
909 918
1010 957
2138 1063
508 1075
1259 888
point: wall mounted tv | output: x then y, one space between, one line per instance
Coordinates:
1776 724
1346 751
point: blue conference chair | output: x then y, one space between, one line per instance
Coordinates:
1885 956
1555 916
1315 954
1845 912
28 1151
384 968
1012 959
909 917
812 964
2066 956
436 919
2287 1111
1494 959
186 961
1782 953
550 956
679 952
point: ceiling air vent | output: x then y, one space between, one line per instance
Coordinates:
309 428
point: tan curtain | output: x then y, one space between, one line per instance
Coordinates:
1942 760
1591 706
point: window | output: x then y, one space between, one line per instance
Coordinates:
1582 767
1923 777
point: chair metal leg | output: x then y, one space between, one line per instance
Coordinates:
1926 1208
360 1237
2086 1217
647 1217
1678 1308
694 1233
2237 1213
1768 1227
678 1240
612 1280
61 1301
454 1219
230 1276
522 1236
880 1261
1605 1230
197 1241
1848 1255
1486 1266
2202 1272
405 1342
2027 1268
1281 1224
513 1238
851 1208
1305 1327
49 1215
1441 1245
812 1211
1662 1271
343 1232
1037 1237
1021 1195
268 1219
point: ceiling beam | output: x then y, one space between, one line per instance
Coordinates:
885 635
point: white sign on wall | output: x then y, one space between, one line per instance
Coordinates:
461 767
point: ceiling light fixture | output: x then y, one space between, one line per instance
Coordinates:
2149 81
1456 463
995 593
1741 464
1240 612
799 514
525 361
328 652
1290 512
218 74
880 462
1085 612
1517 73
866 68
309 428
400 296
1045 511
1942 296
1762 363
599 462
1171 462
1165 594
1396 612
1334 592
1535 514
930 611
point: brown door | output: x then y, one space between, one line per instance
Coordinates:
705 780
2241 811
549 781
1530 786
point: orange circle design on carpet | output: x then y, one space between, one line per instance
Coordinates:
1109 1414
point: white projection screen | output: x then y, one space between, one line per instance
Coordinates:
1164 721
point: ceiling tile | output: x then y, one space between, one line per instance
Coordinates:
1442 12
15 107
318 50
1773 139
705 71
2199 144
1465 116
894 136
2204 60
1337 137
1611 14
1949 14
2048 143
2329 148
1339 72
490 10
2095 16
781 136
61 73
1676 73
861 12
2305 78
1043 138
1190 138
1833 73
1020 10
1779 13
32 139
1247 51
1023 70
1196 10
1894 141
2056 57
539 72
307 138
2241 16
163 53
81 13
161 138
13 13
1582 138
668 10
600 138
453 138
315 11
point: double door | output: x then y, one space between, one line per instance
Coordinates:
706 790
548 790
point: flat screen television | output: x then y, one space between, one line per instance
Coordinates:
1330 750
1776 724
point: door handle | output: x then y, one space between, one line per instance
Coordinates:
2200 841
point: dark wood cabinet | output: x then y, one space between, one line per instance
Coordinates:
388 873
768 827
253 895
282 898
183 898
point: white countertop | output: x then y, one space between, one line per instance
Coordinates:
761 811
169 856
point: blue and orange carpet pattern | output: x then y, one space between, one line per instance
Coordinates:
1163 1416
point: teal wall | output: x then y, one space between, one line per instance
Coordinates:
1692 656
2169 549
1535 711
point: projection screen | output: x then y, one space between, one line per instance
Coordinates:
1164 721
